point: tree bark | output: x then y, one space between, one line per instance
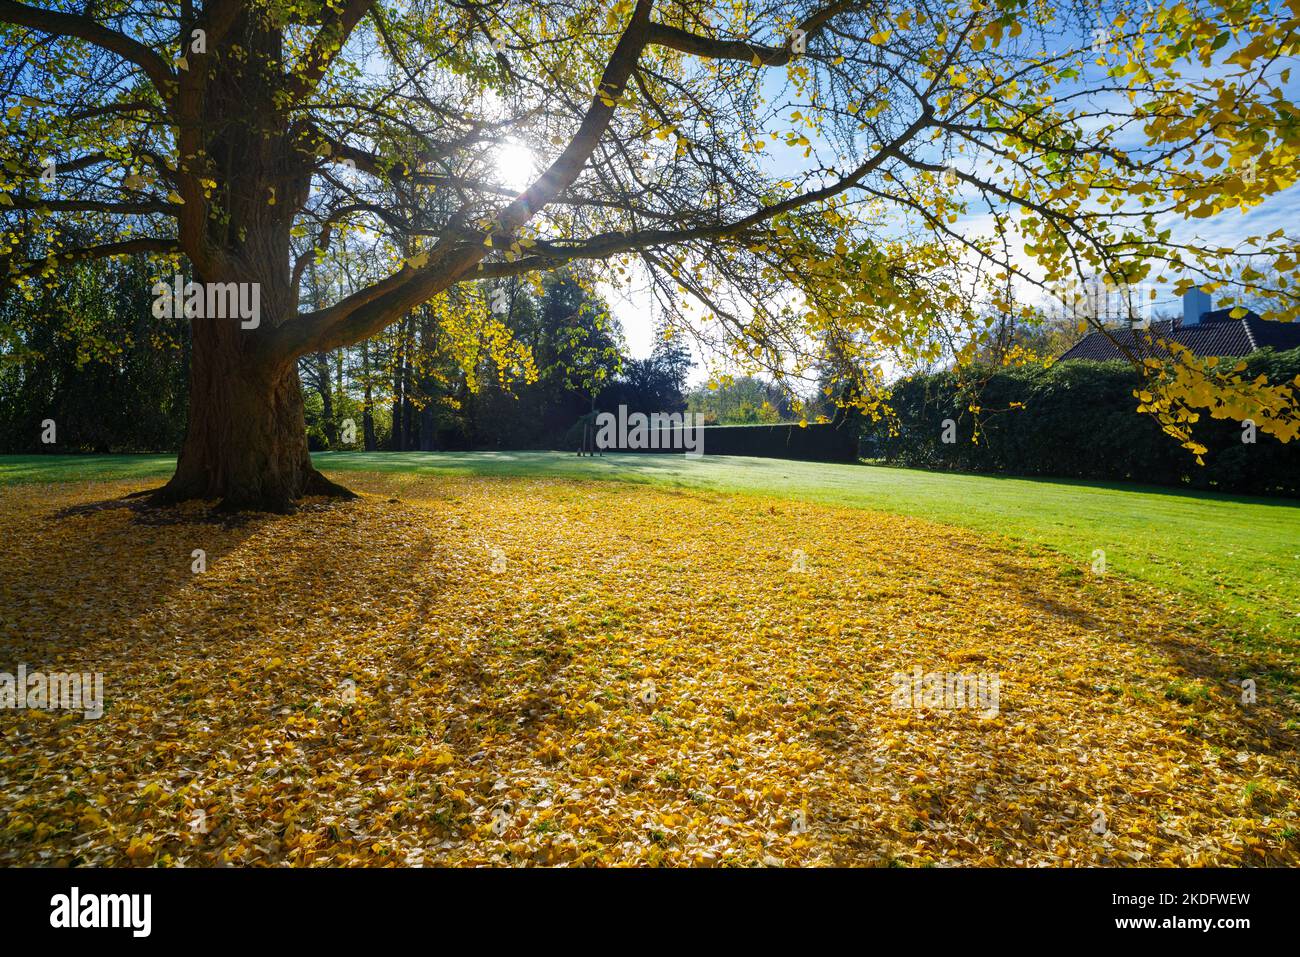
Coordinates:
246 443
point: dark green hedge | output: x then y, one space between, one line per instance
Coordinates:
812 443
1080 421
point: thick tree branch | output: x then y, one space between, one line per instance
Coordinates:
140 208
127 247
612 244
335 29
675 38
369 310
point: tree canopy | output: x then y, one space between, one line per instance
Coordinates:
879 177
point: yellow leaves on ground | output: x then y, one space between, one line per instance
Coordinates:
544 672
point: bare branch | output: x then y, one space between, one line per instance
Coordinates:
84 28
128 247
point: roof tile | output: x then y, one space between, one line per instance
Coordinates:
1217 334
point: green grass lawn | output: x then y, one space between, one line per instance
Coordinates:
1235 552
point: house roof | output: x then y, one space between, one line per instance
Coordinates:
1217 334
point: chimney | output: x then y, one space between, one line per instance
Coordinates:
1195 304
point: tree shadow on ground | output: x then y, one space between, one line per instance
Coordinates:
90 569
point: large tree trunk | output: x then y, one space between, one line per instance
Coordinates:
247 440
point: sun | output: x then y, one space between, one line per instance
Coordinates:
516 166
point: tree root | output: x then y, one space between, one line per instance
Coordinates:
174 493
318 484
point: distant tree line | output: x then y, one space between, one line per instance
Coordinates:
502 370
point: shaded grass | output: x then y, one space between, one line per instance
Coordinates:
1237 553
83 468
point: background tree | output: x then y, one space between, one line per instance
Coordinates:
741 400
654 384
86 351
576 349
